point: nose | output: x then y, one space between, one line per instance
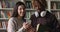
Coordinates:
37 7
23 10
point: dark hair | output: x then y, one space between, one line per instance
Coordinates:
15 12
43 3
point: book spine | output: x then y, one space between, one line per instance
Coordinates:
28 4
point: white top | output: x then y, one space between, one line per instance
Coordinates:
15 25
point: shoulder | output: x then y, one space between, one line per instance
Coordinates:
12 20
50 14
33 16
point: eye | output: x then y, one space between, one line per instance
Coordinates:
20 9
23 8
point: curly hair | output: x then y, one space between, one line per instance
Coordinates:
43 3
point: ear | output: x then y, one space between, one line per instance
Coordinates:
36 14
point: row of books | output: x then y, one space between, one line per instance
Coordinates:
55 5
28 4
57 14
5 14
7 4
28 14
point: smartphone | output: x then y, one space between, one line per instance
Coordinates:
28 20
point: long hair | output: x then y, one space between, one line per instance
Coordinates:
43 3
15 10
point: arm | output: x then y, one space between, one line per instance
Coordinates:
33 22
25 27
11 27
21 30
54 23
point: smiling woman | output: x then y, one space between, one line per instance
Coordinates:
17 23
21 10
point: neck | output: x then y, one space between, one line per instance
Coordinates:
19 17
41 10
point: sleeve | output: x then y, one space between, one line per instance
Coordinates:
33 22
54 23
11 26
21 30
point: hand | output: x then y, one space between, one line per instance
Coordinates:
26 25
31 29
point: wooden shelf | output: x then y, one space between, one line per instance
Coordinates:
3 19
54 0
55 10
7 9
10 9
28 0
30 9
27 18
2 29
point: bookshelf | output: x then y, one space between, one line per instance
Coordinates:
51 6
8 6
10 9
54 7
2 30
3 19
6 9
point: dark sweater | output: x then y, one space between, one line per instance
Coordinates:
47 23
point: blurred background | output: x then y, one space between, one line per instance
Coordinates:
6 7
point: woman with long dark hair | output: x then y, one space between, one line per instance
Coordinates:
17 23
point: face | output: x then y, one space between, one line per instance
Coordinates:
21 10
37 6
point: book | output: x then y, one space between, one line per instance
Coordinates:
0 24
37 27
0 15
12 4
58 15
0 5
58 5
0 8
53 5
3 25
5 14
55 13
27 14
28 4
3 4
